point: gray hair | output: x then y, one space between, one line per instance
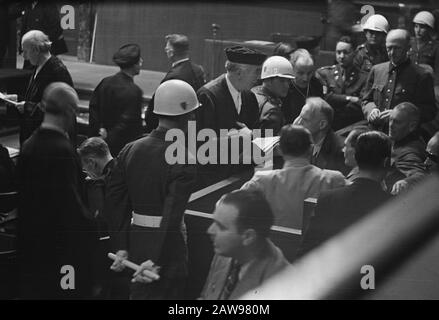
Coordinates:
320 105
37 39
301 54
234 67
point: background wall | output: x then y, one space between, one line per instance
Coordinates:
148 23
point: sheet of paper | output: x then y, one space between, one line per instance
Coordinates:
266 144
3 97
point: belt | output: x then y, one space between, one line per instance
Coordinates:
146 221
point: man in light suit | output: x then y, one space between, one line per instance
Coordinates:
245 257
285 189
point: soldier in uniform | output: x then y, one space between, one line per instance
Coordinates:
276 75
396 81
342 85
424 51
373 51
146 199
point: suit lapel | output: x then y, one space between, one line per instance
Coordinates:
228 97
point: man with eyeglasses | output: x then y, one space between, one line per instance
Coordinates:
116 103
432 152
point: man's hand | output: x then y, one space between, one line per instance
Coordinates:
243 130
147 273
399 187
117 264
385 115
374 115
103 133
354 99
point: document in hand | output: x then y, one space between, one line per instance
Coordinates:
266 144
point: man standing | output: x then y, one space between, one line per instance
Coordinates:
146 199
303 86
53 232
227 102
177 51
244 255
116 103
396 81
276 76
373 51
342 85
48 69
317 116
340 208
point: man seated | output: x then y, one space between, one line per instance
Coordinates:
349 151
432 150
408 149
276 76
338 209
286 189
244 255
342 85
317 116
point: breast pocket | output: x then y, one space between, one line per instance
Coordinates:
402 93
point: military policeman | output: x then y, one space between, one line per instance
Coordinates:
147 197
276 76
396 81
373 50
342 85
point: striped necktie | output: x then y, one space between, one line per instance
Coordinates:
232 280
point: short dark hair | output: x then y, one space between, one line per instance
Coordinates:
283 49
410 109
93 147
254 211
355 133
179 42
372 149
347 39
295 140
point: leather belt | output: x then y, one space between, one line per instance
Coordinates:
146 221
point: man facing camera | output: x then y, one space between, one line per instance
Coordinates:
244 255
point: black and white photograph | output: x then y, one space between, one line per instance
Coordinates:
220 155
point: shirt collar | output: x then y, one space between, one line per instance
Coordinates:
296 162
179 61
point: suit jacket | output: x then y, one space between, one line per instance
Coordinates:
270 261
52 71
336 90
295 99
52 228
116 105
287 188
218 110
143 182
187 71
331 155
388 86
338 209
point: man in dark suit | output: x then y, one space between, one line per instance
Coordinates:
396 81
116 103
53 232
48 69
317 116
177 51
339 208
244 255
146 199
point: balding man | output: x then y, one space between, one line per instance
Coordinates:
432 151
303 86
53 231
47 69
408 148
317 116
396 81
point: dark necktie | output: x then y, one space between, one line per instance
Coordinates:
232 280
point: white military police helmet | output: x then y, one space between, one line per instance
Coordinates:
424 17
378 23
174 98
277 66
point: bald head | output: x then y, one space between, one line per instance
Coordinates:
60 100
432 153
397 45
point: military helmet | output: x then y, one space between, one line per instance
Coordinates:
174 98
424 17
377 22
277 66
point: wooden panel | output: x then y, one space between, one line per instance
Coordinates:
148 23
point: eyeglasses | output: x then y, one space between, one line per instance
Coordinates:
432 157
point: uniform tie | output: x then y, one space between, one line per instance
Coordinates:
232 280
